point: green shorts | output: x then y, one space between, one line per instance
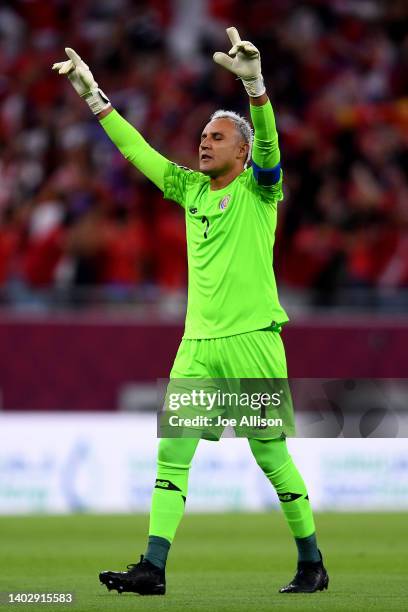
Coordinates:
257 354
241 366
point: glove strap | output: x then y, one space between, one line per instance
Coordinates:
254 87
96 100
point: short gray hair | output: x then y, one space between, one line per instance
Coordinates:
242 126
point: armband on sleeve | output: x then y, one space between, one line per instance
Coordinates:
266 176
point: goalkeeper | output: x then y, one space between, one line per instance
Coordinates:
234 318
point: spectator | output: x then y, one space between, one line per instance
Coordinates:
68 201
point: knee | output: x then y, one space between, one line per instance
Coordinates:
167 451
270 455
176 452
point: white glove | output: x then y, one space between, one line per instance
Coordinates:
82 81
244 60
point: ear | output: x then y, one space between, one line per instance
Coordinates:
243 150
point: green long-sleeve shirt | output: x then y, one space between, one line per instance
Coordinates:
230 231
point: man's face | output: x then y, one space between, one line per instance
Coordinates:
221 148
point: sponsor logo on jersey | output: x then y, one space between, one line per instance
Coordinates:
182 167
224 202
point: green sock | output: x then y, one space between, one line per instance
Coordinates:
273 458
167 509
295 505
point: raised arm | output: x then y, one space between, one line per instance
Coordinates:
134 147
129 141
244 60
265 149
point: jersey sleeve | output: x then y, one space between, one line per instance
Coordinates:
266 168
177 181
134 148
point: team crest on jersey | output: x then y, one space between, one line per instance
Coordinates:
193 210
224 202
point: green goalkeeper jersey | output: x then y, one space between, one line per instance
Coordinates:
230 231
230 236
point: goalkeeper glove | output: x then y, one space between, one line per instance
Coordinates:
244 60
83 81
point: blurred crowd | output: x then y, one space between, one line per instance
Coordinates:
74 213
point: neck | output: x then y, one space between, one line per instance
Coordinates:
218 182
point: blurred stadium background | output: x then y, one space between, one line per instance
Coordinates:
93 261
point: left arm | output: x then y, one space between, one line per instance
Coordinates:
244 60
265 149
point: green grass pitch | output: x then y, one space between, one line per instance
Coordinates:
228 562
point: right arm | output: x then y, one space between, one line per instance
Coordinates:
129 141
134 147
